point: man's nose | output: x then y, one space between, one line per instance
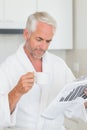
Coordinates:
44 45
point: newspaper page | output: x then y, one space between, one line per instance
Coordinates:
67 97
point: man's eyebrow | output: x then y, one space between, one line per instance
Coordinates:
40 38
43 39
49 40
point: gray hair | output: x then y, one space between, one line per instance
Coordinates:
33 19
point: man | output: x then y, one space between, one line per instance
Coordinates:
20 96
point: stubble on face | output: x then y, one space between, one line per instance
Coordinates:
36 53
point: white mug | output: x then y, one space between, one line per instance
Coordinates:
41 78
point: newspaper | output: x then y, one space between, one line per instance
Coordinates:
76 92
67 98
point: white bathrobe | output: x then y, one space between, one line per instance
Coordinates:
28 110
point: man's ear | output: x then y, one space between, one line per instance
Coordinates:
26 34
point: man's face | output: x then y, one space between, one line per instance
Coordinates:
39 40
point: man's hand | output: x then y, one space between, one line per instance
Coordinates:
23 86
25 83
86 95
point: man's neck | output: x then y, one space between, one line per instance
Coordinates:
36 62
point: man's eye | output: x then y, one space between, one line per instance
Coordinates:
48 41
38 39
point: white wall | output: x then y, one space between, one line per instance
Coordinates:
76 58
9 44
80 24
